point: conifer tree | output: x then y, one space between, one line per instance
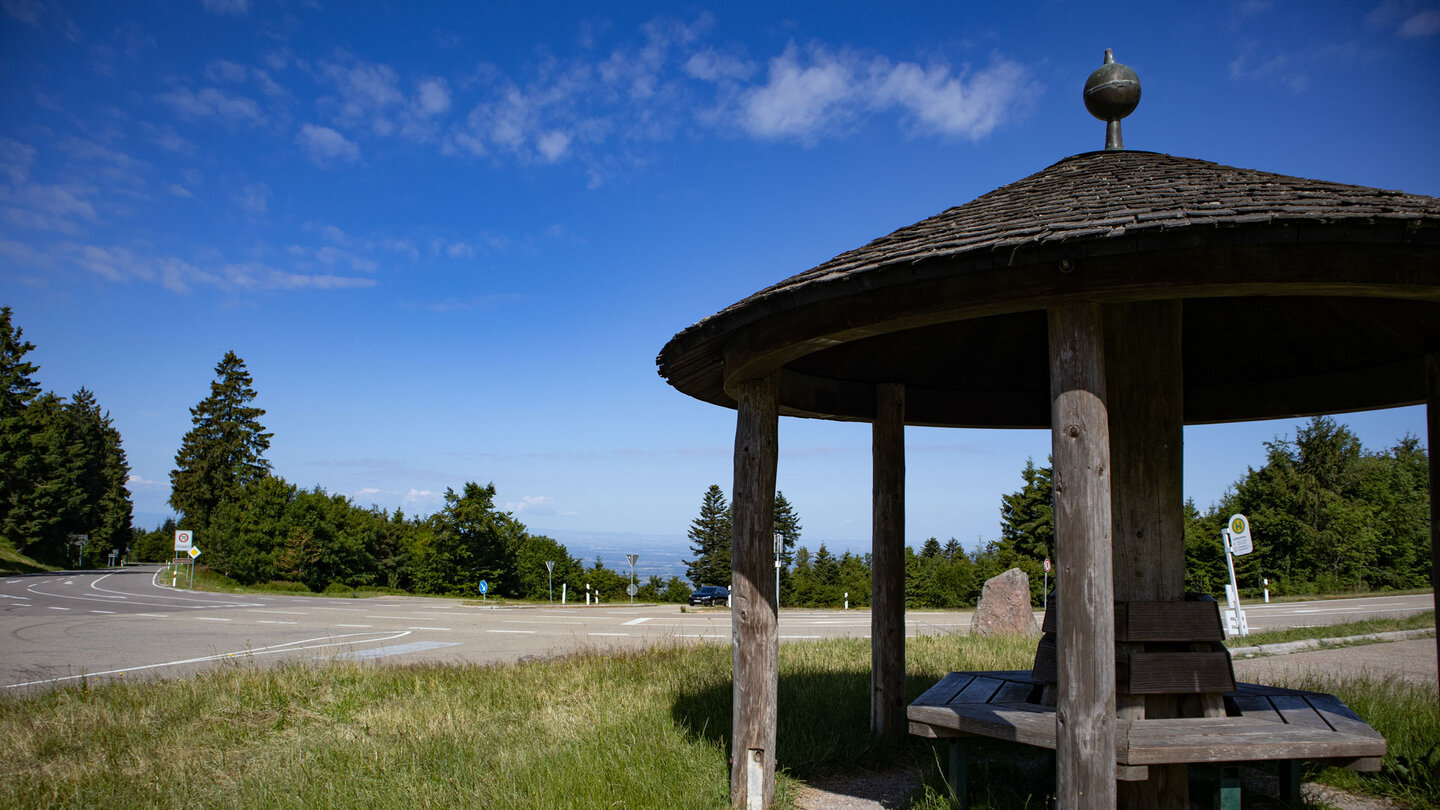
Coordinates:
710 538
18 464
224 451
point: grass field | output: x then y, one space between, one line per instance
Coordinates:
634 730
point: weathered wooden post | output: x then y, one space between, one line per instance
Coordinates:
1144 387
1432 430
1080 444
753 598
887 601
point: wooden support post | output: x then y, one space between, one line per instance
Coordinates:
959 775
887 589
1432 430
752 597
1144 387
1080 444
1291 778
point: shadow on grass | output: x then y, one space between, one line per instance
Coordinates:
823 732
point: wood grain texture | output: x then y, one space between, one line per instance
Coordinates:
752 597
887 613
1432 430
1080 446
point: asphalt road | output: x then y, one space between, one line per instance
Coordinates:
129 623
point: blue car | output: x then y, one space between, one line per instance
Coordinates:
710 595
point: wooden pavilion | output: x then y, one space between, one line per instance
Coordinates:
1113 298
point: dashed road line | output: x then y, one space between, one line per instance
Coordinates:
103 611
354 625
429 628
209 619
527 632
608 634
641 620
52 607
272 621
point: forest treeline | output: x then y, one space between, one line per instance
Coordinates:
1327 516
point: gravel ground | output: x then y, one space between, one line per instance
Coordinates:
1414 659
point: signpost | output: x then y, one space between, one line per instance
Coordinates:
779 548
1237 543
632 589
184 540
484 589
1045 588
550 575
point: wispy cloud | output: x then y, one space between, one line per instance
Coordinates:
1409 19
817 93
254 197
211 102
327 147
232 7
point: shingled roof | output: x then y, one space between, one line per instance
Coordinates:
1114 225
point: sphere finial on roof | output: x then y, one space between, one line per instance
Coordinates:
1111 93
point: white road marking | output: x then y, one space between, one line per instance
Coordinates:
304 644
354 625
103 611
154 615
272 621
282 612
209 619
398 649
8 596
346 610
608 634
52 607
429 628
529 632
637 621
390 617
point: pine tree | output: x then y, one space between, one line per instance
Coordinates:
710 537
1027 517
224 451
18 463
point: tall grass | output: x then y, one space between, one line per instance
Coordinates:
596 730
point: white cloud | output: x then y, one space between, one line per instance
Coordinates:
532 504
1423 24
180 191
326 146
16 159
944 104
800 102
137 481
236 7
432 97
213 103
223 70
26 11
255 198
709 65
47 207
552 145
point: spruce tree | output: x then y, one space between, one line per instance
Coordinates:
18 463
224 451
710 536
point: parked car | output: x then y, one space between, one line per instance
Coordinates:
710 595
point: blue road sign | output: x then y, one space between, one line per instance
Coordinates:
484 586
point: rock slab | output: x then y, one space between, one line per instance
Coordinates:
1004 608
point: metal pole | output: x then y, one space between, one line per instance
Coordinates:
779 549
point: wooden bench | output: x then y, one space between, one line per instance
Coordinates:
1261 723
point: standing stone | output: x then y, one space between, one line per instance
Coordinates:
1004 608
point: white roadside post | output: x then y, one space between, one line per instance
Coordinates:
779 547
1237 544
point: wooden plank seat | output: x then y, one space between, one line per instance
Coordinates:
1261 723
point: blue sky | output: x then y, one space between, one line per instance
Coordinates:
449 239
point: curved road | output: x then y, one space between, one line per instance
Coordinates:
129 623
